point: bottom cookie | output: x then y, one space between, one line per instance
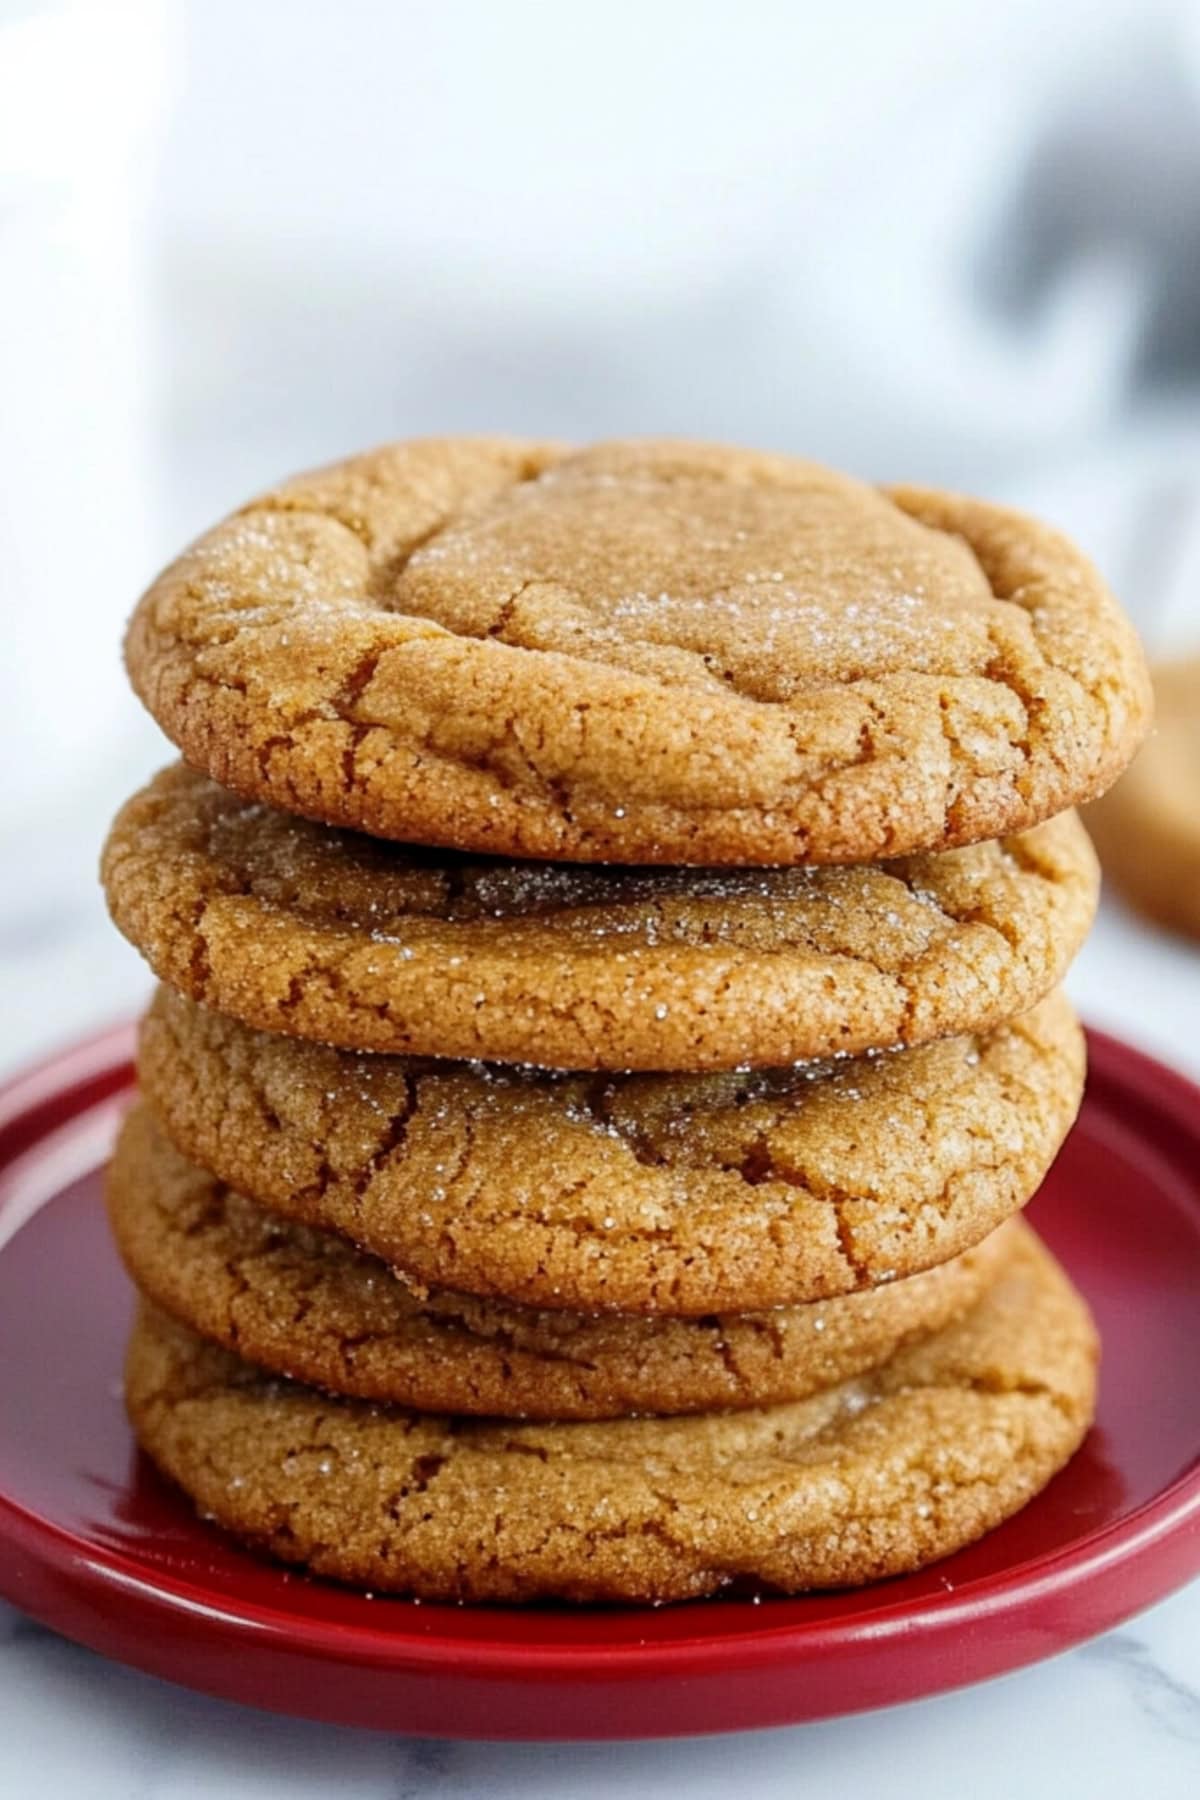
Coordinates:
874 1477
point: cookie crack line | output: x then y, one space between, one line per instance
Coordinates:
344 646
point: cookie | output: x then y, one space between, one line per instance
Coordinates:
870 1478
309 1305
644 652
1148 829
682 1195
315 933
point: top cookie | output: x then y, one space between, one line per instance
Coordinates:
642 652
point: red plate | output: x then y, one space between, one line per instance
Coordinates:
95 1545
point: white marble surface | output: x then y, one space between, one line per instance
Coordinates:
1116 1718
1119 1715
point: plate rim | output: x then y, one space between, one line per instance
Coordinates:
1039 1578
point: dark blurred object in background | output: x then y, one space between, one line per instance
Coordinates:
1114 180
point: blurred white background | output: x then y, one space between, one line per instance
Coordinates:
939 241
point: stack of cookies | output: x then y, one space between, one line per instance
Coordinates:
610 918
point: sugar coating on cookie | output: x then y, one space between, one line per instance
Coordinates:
1147 829
307 1304
646 1193
646 651
871 1478
344 939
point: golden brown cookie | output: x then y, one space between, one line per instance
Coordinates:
300 929
308 1304
1148 829
647 651
675 1194
871 1478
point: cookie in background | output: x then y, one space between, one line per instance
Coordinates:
1147 829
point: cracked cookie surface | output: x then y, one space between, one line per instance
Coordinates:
1148 829
338 937
307 1304
647 651
867 1479
645 1193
